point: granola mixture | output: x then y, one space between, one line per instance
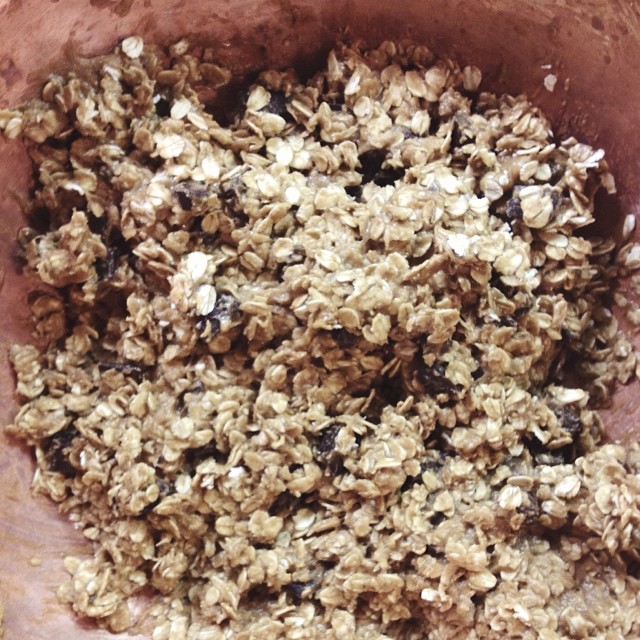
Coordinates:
327 368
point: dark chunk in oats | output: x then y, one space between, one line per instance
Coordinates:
56 450
278 105
300 590
283 504
106 268
514 210
163 108
128 368
411 481
226 310
531 509
371 168
370 163
327 441
355 191
165 488
388 176
344 339
435 381
478 373
569 420
190 192
327 456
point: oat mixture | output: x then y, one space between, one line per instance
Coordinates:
326 368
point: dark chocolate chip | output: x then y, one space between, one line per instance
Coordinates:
355 191
327 441
371 168
478 373
370 163
508 321
163 108
278 105
56 449
226 309
388 176
435 381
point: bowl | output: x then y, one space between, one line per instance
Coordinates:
592 48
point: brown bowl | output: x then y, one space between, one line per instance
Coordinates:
591 46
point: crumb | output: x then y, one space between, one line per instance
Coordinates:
550 81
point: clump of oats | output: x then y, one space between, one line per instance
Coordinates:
329 371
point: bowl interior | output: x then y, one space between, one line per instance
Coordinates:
593 48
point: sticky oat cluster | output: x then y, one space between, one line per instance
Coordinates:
325 366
